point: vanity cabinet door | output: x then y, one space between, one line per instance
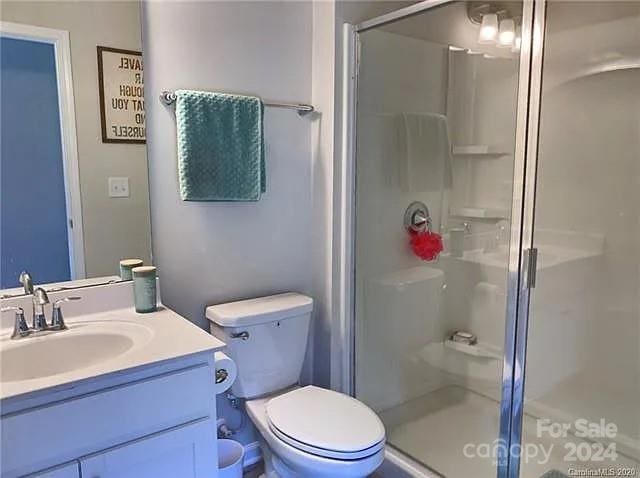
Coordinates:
70 470
188 451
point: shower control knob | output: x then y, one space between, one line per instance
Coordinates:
417 217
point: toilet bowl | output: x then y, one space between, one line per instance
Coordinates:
305 432
316 446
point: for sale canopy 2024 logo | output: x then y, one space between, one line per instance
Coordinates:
579 441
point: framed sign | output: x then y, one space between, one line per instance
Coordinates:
121 88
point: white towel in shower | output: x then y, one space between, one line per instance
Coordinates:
424 152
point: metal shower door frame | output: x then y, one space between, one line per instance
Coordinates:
524 198
521 265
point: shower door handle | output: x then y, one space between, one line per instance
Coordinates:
532 266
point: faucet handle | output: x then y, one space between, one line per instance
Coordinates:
20 327
57 319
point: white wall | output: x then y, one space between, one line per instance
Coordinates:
113 227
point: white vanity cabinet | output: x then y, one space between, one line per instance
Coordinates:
153 423
184 452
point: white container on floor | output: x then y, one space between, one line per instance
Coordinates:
230 456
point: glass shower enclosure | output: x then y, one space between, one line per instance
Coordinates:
512 130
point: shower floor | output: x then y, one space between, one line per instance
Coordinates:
434 429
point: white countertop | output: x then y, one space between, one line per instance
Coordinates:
157 337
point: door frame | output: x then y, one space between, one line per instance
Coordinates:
520 266
66 106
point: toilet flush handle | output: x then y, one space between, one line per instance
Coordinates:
244 335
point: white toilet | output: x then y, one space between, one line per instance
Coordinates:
306 431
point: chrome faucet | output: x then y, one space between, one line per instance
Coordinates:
40 299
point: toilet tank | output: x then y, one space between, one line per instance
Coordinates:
266 337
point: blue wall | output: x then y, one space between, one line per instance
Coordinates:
33 229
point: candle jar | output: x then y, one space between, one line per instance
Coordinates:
126 265
144 289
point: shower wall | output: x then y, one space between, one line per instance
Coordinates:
588 184
589 165
397 75
413 78
407 307
481 111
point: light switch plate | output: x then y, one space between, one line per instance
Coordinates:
119 187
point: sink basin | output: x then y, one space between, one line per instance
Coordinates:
61 352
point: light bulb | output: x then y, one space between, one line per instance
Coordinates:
507 33
488 29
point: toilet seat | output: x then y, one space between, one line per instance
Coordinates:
323 452
325 423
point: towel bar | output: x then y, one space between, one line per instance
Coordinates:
169 97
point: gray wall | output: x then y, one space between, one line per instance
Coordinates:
209 253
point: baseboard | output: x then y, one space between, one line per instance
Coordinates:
252 454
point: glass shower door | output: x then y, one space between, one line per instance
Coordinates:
436 124
582 386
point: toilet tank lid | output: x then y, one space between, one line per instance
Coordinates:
261 310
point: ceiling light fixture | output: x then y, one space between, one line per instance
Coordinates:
488 29
507 34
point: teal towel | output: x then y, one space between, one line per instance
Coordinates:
220 146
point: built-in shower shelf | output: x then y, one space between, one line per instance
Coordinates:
480 150
488 213
477 350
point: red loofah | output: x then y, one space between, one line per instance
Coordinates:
426 245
